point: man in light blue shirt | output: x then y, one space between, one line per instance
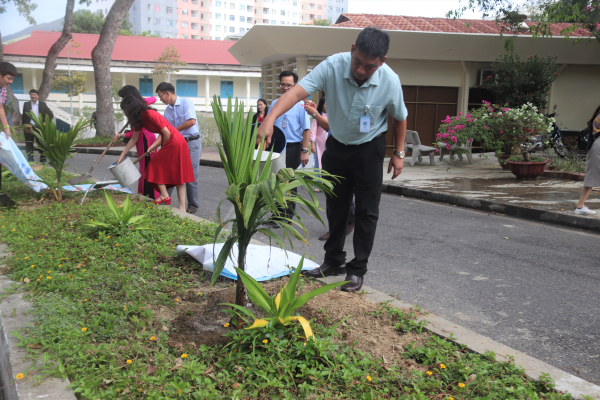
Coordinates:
181 113
295 124
364 101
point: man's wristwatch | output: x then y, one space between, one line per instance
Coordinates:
314 115
304 150
399 154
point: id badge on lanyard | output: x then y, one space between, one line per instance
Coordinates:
284 123
365 122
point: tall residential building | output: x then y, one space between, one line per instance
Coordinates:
230 17
194 19
158 17
313 10
334 8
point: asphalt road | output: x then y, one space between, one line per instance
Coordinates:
531 286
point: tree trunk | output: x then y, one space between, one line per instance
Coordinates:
48 75
101 60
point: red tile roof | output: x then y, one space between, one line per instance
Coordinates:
421 24
128 48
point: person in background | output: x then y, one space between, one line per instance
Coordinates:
319 132
41 110
8 73
144 142
261 111
181 113
592 168
295 124
364 100
171 166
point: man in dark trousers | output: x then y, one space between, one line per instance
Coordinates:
40 109
364 102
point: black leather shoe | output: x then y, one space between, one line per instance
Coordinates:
354 285
326 270
191 210
324 236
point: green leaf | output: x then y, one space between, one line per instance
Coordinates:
256 293
300 301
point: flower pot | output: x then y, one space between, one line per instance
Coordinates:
504 165
527 170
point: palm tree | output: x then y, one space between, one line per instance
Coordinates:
254 195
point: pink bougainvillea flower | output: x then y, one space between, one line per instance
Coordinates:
448 147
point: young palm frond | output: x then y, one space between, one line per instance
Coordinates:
255 195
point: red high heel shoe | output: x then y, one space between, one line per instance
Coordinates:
166 200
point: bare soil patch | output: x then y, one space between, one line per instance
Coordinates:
200 319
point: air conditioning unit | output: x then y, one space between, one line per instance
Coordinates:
486 76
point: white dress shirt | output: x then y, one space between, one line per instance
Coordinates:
35 107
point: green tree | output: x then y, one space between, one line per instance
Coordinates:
86 21
519 81
583 15
322 22
168 62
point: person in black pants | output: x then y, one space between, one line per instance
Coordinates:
364 102
41 110
295 124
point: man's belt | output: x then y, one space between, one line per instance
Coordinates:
190 138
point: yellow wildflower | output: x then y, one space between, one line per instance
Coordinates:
442 366
184 355
226 325
129 361
83 329
369 378
152 338
20 376
48 277
462 385
429 373
265 341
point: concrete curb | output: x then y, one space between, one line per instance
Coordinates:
12 357
534 214
477 343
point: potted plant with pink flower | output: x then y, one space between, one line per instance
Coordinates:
456 134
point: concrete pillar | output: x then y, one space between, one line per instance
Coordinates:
263 82
123 79
80 101
248 92
207 92
34 79
274 82
301 66
463 93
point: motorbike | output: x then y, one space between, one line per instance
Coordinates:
552 139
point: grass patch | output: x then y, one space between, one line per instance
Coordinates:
95 141
96 298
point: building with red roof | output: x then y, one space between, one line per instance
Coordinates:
210 70
441 62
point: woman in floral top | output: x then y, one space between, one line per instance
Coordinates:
592 168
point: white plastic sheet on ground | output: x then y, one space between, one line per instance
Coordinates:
13 159
262 262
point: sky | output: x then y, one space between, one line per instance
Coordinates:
50 10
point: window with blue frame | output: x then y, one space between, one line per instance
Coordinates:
226 89
146 88
17 85
187 88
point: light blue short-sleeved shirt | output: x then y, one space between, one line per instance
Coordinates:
346 100
297 121
179 113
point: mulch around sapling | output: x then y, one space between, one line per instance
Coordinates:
199 319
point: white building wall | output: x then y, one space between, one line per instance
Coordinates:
230 17
334 8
